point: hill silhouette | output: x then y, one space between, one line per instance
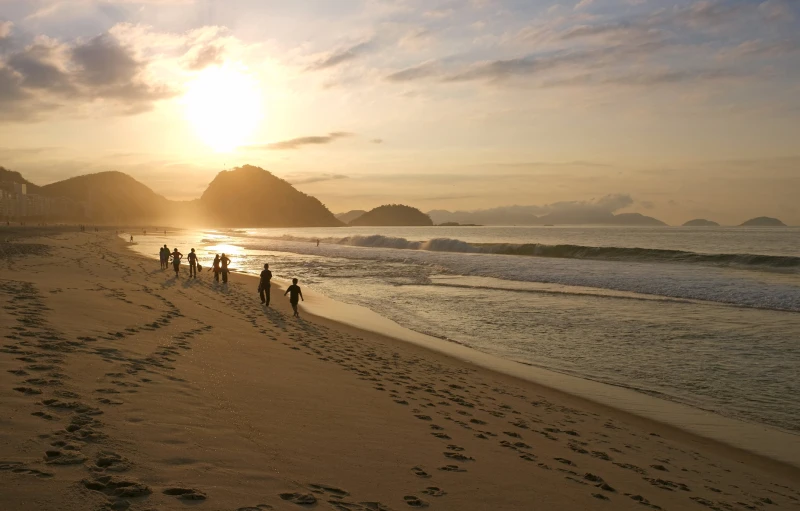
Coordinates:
7 177
635 219
763 221
250 196
112 197
700 222
350 215
393 215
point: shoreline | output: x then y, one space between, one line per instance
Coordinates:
126 388
772 445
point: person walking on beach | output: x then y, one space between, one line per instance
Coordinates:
215 268
192 257
164 253
264 286
176 261
296 292
224 261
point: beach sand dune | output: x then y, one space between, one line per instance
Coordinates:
122 387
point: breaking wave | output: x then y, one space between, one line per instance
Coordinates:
755 261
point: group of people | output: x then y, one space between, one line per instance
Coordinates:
220 267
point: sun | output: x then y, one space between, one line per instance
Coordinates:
224 106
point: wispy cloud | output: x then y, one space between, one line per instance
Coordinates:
297 143
315 178
340 56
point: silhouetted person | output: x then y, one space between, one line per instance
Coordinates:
317 242
164 253
224 262
215 268
295 291
176 261
131 238
192 257
264 286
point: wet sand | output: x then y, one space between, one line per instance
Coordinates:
125 388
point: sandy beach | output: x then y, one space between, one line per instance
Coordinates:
122 387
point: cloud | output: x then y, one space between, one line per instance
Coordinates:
316 178
341 56
777 10
422 71
5 29
48 76
583 4
297 143
206 56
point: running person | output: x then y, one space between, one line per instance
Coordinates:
192 257
264 286
296 292
176 261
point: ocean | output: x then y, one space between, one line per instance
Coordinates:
706 317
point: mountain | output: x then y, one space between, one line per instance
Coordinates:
635 219
763 221
575 213
393 215
250 196
112 197
350 215
700 222
7 177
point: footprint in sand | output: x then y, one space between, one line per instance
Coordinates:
413 501
63 458
185 493
117 487
301 499
434 491
452 468
420 473
458 456
28 391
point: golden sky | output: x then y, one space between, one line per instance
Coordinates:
690 108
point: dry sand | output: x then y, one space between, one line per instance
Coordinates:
122 387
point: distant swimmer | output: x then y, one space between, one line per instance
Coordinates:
296 292
215 268
163 252
192 257
176 261
264 285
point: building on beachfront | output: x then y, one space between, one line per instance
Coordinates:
18 205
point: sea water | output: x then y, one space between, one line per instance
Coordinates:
708 317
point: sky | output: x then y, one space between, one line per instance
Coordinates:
688 108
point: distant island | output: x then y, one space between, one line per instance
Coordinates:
350 215
763 221
635 219
534 215
393 215
700 222
456 224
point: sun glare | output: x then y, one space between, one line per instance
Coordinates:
224 107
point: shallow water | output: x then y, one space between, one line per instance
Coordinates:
718 336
